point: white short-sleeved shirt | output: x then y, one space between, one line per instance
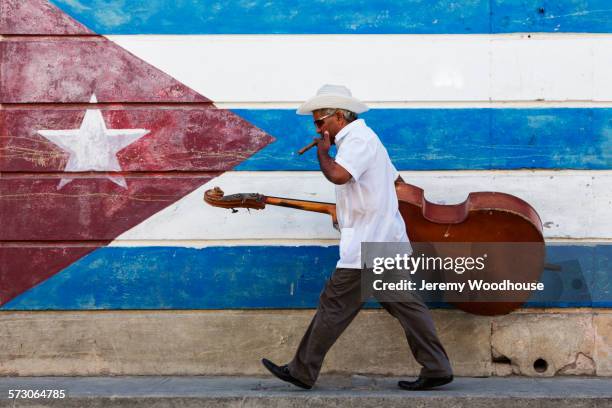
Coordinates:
366 205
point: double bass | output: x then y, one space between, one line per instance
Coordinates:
502 225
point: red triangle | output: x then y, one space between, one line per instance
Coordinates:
71 69
37 17
23 267
44 228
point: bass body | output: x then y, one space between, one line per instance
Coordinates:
504 228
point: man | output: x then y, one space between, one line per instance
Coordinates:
367 211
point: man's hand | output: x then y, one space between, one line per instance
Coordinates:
331 170
335 221
324 142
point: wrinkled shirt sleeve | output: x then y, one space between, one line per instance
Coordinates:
356 155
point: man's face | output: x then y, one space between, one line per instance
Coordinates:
331 123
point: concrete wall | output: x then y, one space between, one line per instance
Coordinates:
568 342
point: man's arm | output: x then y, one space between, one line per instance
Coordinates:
332 170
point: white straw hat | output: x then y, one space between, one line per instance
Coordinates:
332 96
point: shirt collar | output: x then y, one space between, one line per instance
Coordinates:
345 130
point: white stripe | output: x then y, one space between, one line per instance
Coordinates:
201 243
431 105
385 68
571 204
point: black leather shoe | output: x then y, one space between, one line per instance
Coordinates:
282 372
424 383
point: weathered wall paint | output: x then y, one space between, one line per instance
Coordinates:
87 208
37 17
579 207
340 17
389 68
263 277
162 84
187 137
59 70
454 139
77 175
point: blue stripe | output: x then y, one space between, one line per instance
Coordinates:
565 16
339 17
454 139
261 277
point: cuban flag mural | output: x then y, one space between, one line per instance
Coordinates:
117 115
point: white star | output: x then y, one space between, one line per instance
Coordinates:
93 146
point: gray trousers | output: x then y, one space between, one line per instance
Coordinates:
339 303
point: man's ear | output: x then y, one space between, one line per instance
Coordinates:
339 116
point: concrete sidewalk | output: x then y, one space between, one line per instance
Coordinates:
355 391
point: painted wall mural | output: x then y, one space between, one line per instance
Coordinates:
116 116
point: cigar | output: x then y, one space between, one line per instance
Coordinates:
307 148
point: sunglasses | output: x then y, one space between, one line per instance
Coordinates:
319 122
